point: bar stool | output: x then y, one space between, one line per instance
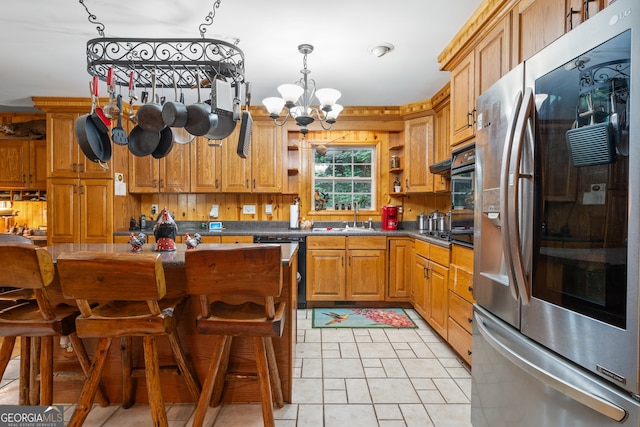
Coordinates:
131 288
249 277
36 319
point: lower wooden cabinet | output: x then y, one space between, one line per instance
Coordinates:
346 268
460 298
400 263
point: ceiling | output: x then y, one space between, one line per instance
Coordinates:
44 42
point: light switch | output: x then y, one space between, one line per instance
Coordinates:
268 209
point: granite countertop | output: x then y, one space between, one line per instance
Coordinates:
281 228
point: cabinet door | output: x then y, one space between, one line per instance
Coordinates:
326 275
438 297
144 174
441 145
38 164
536 24
463 99
400 258
266 158
63 211
14 164
578 11
205 166
419 155
174 170
492 57
96 210
236 171
366 274
418 283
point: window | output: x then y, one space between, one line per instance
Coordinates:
342 176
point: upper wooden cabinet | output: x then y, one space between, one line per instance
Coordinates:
65 158
167 175
483 66
441 144
418 155
23 164
578 11
536 24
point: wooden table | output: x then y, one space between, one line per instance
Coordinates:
197 346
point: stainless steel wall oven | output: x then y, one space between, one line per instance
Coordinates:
462 194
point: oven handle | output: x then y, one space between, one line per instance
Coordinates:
590 400
515 198
504 175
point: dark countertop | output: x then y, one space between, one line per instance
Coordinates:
281 228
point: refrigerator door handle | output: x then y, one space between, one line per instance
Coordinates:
504 175
515 196
590 400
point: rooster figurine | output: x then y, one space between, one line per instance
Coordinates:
165 231
136 242
192 242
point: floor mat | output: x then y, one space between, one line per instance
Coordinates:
361 318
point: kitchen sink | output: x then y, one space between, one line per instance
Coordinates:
361 230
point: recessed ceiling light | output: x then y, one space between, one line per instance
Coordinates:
380 49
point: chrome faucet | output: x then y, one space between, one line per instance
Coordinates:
355 213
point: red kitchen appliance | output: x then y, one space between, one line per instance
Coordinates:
389 217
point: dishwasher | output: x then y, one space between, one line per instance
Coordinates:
302 261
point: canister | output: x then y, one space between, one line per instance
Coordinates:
395 162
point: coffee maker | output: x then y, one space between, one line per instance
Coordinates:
389 217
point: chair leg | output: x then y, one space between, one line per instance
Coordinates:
185 365
34 370
265 384
128 383
91 385
274 373
46 371
154 390
85 364
6 350
25 370
221 376
209 381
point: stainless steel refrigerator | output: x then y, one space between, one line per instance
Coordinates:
556 233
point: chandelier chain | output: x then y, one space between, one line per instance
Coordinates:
208 20
93 19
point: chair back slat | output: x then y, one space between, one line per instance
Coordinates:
25 265
243 271
111 276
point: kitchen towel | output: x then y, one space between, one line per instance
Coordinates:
294 212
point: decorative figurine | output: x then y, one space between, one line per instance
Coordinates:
136 242
165 231
192 242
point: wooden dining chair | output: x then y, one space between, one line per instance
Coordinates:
237 287
36 320
130 289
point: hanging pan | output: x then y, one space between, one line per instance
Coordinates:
94 143
200 116
149 115
165 144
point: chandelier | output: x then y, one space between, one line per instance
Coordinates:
297 98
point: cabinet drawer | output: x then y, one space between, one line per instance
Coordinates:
326 242
461 311
367 242
460 340
439 255
462 256
422 248
462 283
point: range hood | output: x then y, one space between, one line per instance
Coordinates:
441 168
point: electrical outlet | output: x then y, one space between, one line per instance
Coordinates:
249 209
154 209
268 209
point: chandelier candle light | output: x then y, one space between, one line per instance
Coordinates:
297 98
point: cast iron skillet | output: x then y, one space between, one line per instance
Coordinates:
143 143
165 145
95 144
224 128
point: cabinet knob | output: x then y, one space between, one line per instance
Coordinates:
470 319
470 288
469 352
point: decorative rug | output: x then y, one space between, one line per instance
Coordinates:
361 318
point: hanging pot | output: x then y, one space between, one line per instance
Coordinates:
201 118
149 115
226 126
141 142
94 143
175 113
165 144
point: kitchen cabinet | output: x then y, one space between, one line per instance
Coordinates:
536 24
400 259
578 11
169 174
418 155
430 278
23 164
346 268
65 158
442 147
484 65
261 171
80 210
206 167
396 171
460 299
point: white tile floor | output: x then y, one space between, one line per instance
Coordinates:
342 377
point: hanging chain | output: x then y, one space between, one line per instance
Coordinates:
94 19
208 20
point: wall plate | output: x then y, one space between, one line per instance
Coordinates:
249 209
